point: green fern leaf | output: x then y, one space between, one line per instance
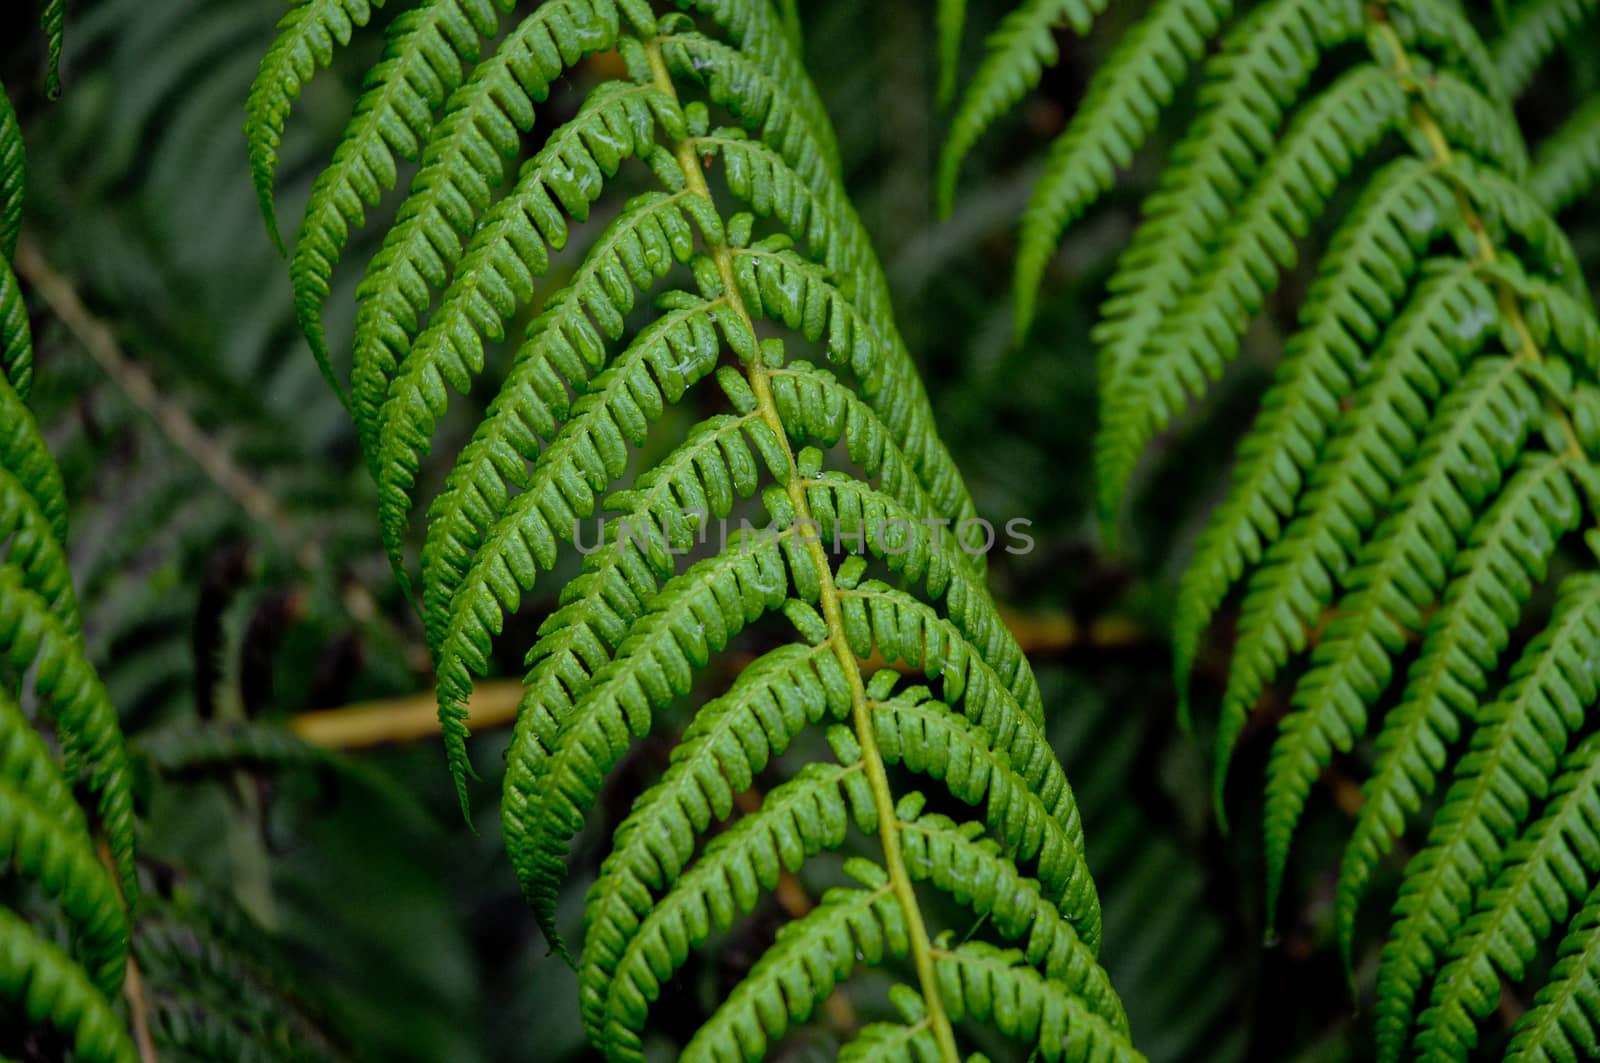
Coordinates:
308 36
812 955
461 165
809 814
992 985
13 177
53 20
1515 754
731 739
31 635
590 453
692 616
1476 435
1560 1027
44 838
1018 52
1535 30
1249 88
1201 332
29 766
564 346
505 256
1567 165
35 552
1507 556
960 860
607 358
1418 379
1543 875
1368 271
926 738
55 991
422 61
1422 356
16 337
34 843
1125 99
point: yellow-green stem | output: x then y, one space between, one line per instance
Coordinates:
860 712
1510 306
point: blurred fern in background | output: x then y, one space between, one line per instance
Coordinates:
233 578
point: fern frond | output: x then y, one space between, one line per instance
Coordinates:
1249 88
692 616
308 36
29 765
424 52
1424 447
657 369
1535 30
1514 758
13 177
590 453
1560 1027
921 734
44 838
1125 98
959 859
53 20
55 991
24 456
730 741
461 165
1424 353
31 635
1198 335
1479 430
787 307
16 336
564 346
994 985
1016 55
812 955
64 863
1493 578
1369 270
505 256
1542 876
1567 165
35 552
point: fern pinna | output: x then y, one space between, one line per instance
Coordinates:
752 257
1427 442
64 940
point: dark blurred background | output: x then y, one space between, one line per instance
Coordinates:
272 598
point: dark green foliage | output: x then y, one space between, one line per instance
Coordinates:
1427 440
45 837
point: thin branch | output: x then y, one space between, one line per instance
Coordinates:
170 418
403 719
494 702
175 424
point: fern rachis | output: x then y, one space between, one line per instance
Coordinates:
587 385
1425 446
